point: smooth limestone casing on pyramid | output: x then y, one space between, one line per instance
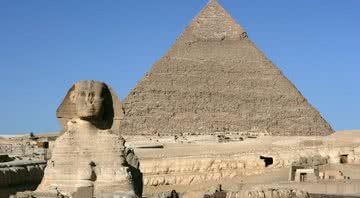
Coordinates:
215 79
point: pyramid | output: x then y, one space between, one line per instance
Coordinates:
214 79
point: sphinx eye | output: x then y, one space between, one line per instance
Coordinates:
82 94
90 97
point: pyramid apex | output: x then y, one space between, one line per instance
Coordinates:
214 23
213 2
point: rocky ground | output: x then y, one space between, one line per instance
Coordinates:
194 164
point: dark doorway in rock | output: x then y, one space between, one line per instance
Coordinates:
343 159
46 145
268 160
303 177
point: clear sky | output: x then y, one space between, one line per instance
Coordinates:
46 46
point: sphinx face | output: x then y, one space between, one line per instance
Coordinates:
88 99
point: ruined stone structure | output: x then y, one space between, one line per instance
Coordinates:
311 164
20 175
88 159
270 193
214 79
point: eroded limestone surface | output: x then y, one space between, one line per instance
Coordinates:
114 112
190 164
88 159
270 193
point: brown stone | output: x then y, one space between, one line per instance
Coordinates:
113 110
215 79
89 159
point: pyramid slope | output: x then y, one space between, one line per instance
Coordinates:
209 83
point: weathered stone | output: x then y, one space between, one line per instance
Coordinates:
270 193
5 158
89 158
170 194
215 79
113 110
29 194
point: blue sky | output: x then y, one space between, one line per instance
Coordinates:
46 46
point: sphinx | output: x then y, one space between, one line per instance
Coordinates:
89 158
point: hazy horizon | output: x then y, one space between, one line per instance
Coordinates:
47 46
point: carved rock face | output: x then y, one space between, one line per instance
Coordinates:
80 161
91 101
88 99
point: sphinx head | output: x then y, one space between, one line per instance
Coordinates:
89 97
92 101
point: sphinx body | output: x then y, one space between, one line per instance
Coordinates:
89 158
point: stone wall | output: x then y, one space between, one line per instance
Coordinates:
192 170
22 175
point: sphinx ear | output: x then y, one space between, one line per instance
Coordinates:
73 96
